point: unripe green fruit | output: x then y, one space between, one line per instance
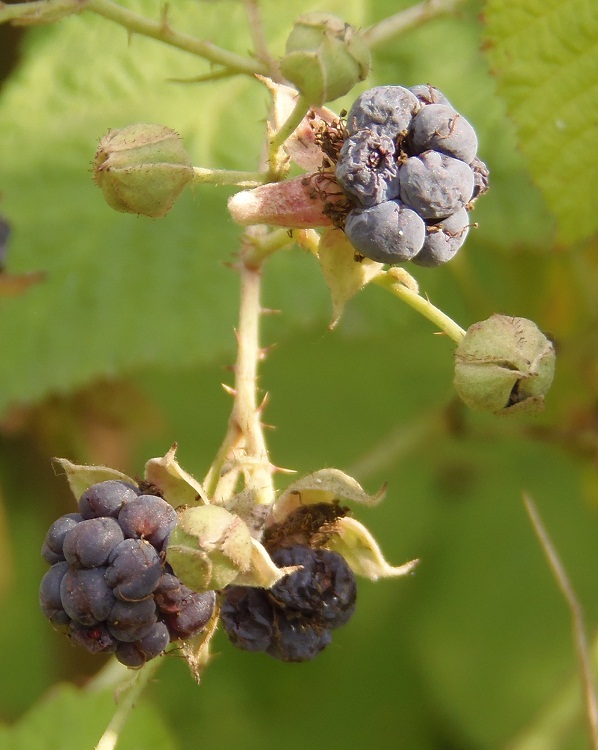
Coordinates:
504 365
142 169
325 57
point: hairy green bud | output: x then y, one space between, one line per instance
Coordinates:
325 57
504 365
142 169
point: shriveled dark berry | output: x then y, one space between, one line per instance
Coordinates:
324 588
298 639
248 618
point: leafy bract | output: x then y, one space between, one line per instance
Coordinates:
544 55
123 292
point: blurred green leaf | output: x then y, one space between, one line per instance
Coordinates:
545 58
73 719
122 292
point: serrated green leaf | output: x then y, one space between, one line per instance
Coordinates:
545 57
123 292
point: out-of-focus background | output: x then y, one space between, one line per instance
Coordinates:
120 347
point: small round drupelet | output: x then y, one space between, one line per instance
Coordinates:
443 240
52 551
441 128
148 517
388 233
387 109
89 543
106 498
435 185
134 570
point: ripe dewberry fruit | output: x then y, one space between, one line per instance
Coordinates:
109 588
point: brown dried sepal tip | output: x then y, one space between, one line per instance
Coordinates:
329 136
309 525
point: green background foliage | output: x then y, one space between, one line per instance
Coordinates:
121 350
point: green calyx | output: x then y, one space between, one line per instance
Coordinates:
325 57
142 169
209 547
504 365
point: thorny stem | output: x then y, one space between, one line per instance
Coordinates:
244 443
25 13
260 46
162 31
577 622
407 19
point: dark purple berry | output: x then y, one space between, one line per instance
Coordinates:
324 588
297 639
49 595
170 594
52 551
131 621
148 517
106 498
134 570
135 654
95 639
90 542
193 616
248 618
85 595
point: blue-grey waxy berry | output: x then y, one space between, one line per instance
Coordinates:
443 240
435 185
388 233
388 109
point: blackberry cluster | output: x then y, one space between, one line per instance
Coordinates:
293 620
109 588
409 169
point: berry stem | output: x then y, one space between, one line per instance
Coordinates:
405 20
128 697
162 31
244 444
422 306
229 177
